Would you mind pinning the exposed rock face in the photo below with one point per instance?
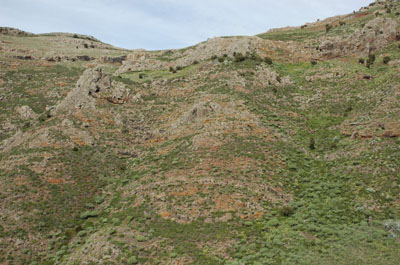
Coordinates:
(142, 60)
(139, 60)
(26, 113)
(266, 76)
(219, 47)
(94, 84)
(376, 34)
(197, 113)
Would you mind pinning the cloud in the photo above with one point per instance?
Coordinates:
(162, 24)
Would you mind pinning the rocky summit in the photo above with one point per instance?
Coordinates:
(280, 148)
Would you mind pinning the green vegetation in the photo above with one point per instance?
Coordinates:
(241, 159)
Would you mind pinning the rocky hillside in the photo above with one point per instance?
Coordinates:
(280, 148)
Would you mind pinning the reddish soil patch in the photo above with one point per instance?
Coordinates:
(56, 181)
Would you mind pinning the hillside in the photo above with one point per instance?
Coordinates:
(280, 148)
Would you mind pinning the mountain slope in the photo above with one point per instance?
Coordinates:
(280, 148)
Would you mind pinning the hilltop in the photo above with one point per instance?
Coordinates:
(279, 148)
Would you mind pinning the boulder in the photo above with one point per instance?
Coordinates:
(26, 113)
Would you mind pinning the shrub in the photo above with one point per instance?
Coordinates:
(312, 143)
(214, 57)
(286, 211)
(371, 59)
(44, 116)
(141, 76)
(386, 59)
(178, 68)
(313, 62)
(361, 61)
(328, 27)
(342, 23)
(132, 260)
(254, 56)
(196, 62)
(239, 57)
(171, 69)
(268, 60)
(86, 45)
(75, 36)
(27, 125)
(221, 59)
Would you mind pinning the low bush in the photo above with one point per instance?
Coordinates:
(371, 59)
(286, 211)
(239, 57)
(313, 62)
(328, 27)
(311, 145)
(268, 60)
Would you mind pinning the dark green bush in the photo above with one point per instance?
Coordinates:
(239, 57)
(268, 60)
(313, 62)
(386, 59)
(286, 211)
(361, 61)
(254, 56)
(371, 59)
(311, 145)
(328, 27)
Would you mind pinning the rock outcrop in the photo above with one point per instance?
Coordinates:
(26, 113)
(376, 34)
(141, 60)
(94, 84)
(197, 113)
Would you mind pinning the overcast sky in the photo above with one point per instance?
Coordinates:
(165, 24)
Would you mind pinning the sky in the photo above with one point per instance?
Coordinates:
(166, 24)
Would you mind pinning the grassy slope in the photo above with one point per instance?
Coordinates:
(342, 190)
